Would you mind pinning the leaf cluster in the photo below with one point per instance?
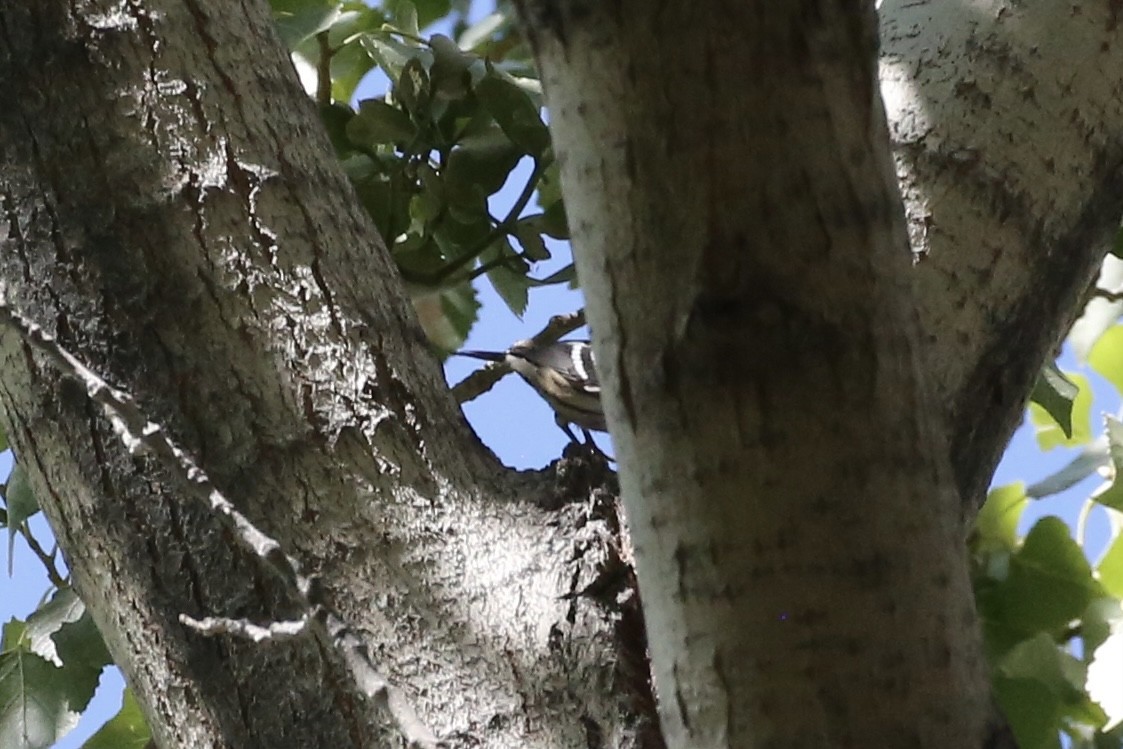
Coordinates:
(1052, 619)
(51, 663)
(458, 120)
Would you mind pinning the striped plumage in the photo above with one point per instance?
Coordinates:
(564, 374)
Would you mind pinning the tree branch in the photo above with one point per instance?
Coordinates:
(323, 70)
(48, 560)
(1013, 225)
(484, 378)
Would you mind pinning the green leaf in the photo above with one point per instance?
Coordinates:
(36, 697)
(376, 195)
(386, 197)
(1040, 659)
(457, 237)
(510, 284)
(1106, 356)
(1111, 495)
(996, 525)
(1110, 568)
(461, 309)
(335, 118)
(1049, 584)
(379, 123)
(298, 20)
(63, 608)
(80, 645)
(21, 505)
(419, 257)
(549, 187)
(1103, 617)
(514, 112)
(349, 66)
(125, 730)
(12, 636)
(393, 55)
(413, 87)
(1050, 432)
(427, 205)
(451, 70)
(1052, 681)
(1055, 393)
(534, 248)
(479, 167)
(554, 221)
(1112, 739)
(357, 18)
(551, 223)
(429, 11)
(1034, 713)
(1091, 459)
(499, 39)
(404, 15)
(18, 497)
(61, 631)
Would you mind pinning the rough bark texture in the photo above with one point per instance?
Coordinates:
(174, 215)
(784, 428)
(1007, 123)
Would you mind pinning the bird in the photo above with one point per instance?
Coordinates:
(564, 374)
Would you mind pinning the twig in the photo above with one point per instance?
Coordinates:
(323, 70)
(1082, 520)
(48, 560)
(484, 378)
(140, 434)
(1111, 296)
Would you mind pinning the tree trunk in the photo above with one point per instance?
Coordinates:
(791, 441)
(176, 218)
(793, 517)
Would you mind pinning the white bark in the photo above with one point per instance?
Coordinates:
(1007, 123)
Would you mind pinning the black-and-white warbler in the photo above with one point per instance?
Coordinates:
(564, 374)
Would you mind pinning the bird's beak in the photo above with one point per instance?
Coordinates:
(485, 355)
